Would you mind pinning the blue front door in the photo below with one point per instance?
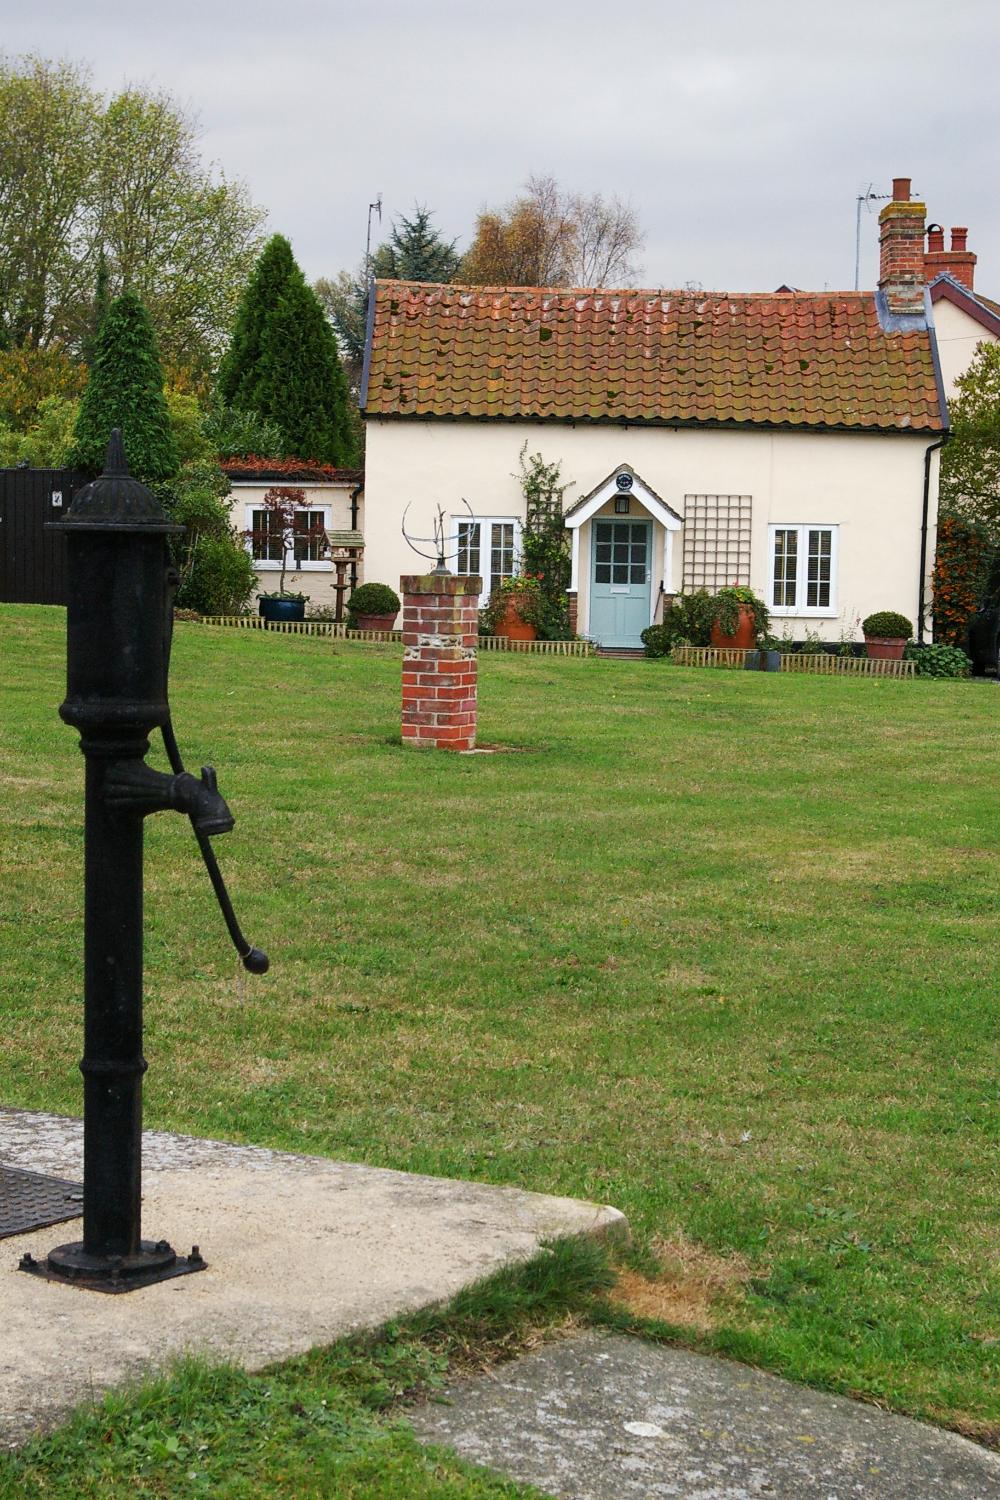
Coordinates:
(619, 582)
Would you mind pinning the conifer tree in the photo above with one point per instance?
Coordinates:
(101, 302)
(415, 251)
(299, 383)
(268, 282)
(283, 363)
(125, 390)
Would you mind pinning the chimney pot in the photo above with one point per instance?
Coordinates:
(959, 236)
(901, 189)
(935, 238)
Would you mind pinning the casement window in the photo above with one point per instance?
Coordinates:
(803, 570)
(307, 551)
(490, 546)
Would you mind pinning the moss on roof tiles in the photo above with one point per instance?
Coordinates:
(811, 359)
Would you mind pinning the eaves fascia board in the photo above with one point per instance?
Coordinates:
(369, 337)
(946, 288)
(673, 423)
(936, 357)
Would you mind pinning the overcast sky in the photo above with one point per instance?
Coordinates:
(742, 133)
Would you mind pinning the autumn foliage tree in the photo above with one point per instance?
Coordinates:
(963, 563)
(548, 237)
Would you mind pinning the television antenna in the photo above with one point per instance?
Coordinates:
(868, 197)
(376, 207)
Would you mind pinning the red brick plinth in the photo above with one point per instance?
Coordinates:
(440, 635)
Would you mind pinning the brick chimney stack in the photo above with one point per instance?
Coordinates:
(958, 261)
(901, 250)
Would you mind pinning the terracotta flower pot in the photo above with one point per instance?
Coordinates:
(374, 622)
(884, 647)
(513, 627)
(745, 635)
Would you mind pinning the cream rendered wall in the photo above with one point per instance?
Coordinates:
(315, 582)
(957, 337)
(870, 486)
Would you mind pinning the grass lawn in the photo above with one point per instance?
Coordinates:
(718, 948)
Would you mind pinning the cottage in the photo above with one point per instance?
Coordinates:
(786, 440)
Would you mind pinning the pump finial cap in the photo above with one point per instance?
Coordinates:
(115, 462)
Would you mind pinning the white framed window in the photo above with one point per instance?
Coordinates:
(306, 548)
(803, 564)
(490, 546)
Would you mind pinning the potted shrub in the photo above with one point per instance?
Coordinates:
(738, 617)
(372, 606)
(281, 506)
(886, 634)
(515, 608)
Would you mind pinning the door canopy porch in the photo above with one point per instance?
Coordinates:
(622, 481)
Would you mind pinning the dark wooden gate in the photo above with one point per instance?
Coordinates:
(33, 560)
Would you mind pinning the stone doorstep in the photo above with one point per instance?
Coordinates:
(300, 1251)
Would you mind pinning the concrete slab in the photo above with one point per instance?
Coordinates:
(598, 1418)
(301, 1251)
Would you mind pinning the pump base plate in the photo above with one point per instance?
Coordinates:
(72, 1266)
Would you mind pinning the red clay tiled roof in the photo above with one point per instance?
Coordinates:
(802, 359)
(304, 470)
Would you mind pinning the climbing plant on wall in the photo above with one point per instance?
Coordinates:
(545, 541)
(962, 566)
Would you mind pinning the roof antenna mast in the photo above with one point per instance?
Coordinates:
(376, 204)
(868, 197)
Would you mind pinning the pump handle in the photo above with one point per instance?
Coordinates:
(255, 960)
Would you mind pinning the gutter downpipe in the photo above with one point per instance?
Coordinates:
(922, 591)
(354, 526)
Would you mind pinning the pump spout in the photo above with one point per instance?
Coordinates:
(133, 786)
(203, 802)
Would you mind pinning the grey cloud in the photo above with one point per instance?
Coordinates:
(741, 132)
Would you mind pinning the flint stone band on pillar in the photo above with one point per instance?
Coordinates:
(440, 637)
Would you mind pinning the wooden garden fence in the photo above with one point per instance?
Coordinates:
(817, 662)
(341, 632)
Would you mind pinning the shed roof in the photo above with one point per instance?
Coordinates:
(791, 359)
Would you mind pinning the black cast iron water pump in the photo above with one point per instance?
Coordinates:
(119, 627)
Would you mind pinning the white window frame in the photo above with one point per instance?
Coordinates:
(271, 565)
(800, 610)
(485, 545)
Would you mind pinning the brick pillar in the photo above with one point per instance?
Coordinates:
(440, 634)
(571, 600)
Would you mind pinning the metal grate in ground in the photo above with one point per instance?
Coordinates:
(29, 1200)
